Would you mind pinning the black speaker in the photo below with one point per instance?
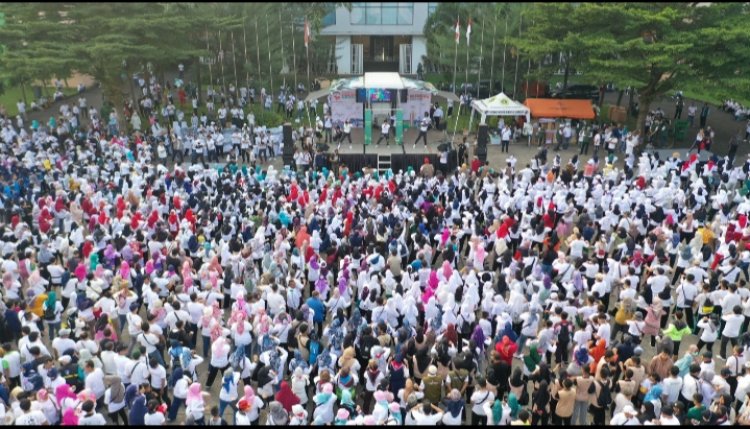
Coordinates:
(361, 95)
(483, 136)
(288, 154)
(481, 153)
(404, 95)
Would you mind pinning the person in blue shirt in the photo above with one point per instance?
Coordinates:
(319, 310)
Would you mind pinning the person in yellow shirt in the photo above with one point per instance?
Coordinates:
(707, 235)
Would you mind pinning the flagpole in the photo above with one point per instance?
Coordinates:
(294, 58)
(455, 57)
(234, 62)
(270, 70)
(481, 53)
(210, 60)
(221, 54)
(505, 48)
(468, 48)
(244, 40)
(518, 54)
(492, 60)
(308, 33)
(528, 72)
(283, 57)
(257, 51)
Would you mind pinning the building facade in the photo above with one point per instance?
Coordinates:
(378, 37)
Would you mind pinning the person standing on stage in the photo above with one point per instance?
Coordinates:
(423, 127)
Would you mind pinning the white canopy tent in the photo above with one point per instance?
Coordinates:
(498, 105)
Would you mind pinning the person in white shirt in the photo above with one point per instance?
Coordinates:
(426, 414)
(90, 417)
(424, 125)
(627, 417)
(733, 323)
(153, 417)
(385, 132)
(29, 417)
(62, 343)
(95, 380)
(480, 396)
(137, 369)
(228, 392)
(114, 398)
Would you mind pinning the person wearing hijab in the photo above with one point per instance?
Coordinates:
(195, 404)
(506, 348)
(69, 417)
(324, 404)
(286, 397)
(454, 405)
(114, 397)
(540, 404)
(138, 409)
(647, 413)
(228, 392)
(52, 310)
(277, 415)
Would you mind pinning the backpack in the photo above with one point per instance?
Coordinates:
(605, 397)
(563, 337)
(49, 312)
(33, 381)
(314, 348)
(457, 378)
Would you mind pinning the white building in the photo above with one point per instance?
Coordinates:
(378, 37)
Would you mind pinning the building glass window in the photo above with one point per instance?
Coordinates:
(382, 13)
(358, 14)
(431, 8)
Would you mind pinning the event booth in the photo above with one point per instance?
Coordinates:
(547, 111)
(498, 105)
(560, 108)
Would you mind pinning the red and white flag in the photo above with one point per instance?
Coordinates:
(307, 33)
(468, 32)
(458, 31)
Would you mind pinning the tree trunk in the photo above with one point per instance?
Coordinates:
(645, 102)
(23, 93)
(619, 97)
(198, 78)
(567, 73)
(630, 101)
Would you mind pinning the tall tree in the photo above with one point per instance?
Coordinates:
(652, 47)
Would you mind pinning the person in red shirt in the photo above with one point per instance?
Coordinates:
(476, 164)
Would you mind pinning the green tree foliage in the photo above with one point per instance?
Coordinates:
(439, 31)
(111, 41)
(652, 47)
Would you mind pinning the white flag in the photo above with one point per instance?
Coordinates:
(468, 32)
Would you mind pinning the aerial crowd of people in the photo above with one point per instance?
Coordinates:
(142, 286)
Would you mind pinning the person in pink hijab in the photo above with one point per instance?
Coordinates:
(63, 392)
(187, 275)
(69, 417)
(80, 271)
(125, 270)
(447, 270)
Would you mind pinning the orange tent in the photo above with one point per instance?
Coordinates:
(558, 108)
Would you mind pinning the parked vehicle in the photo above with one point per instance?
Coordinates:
(581, 92)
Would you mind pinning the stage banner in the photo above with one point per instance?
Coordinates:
(368, 127)
(418, 102)
(344, 106)
(399, 127)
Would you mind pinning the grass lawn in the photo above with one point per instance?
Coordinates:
(11, 96)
